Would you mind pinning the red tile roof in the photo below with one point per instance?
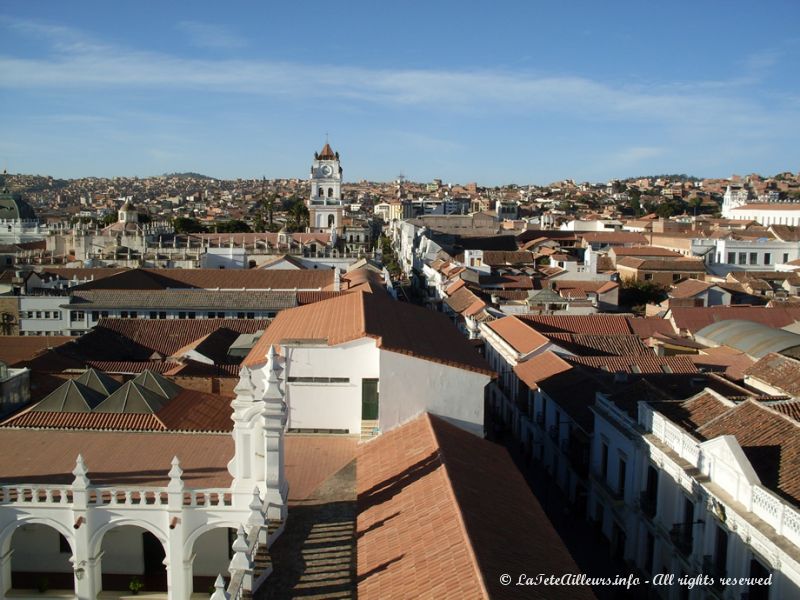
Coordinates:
(167, 336)
(189, 410)
(689, 288)
(86, 421)
(517, 334)
(17, 348)
(396, 327)
(770, 440)
(311, 460)
(778, 371)
(540, 367)
(637, 363)
(442, 513)
(596, 324)
(114, 457)
(646, 327)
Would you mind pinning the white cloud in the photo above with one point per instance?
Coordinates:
(709, 107)
(210, 35)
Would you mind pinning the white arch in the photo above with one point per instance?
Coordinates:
(8, 532)
(188, 545)
(96, 541)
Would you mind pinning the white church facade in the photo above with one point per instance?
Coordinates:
(78, 528)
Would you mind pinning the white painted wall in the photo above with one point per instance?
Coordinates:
(329, 405)
(123, 551)
(36, 549)
(411, 385)
(211, 553)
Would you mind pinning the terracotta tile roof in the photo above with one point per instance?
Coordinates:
(695, 318)
(684, 265)
(310, 460)
(646, 327)
(500, 257)
(647, 251)
(396, 326)
(17, 348)
(535, 370)
(506, 282)
(723, 358)
(192, 410)
(770, 440)
(694, 412)
(636, 364)
(778, 371)
(235, 279)
(442, 513)
(575, 287)
(131, 366)
(602, 345)
(327, 153)
(594, 324)
(213, 346)
(790, 408)
(114, 457)
(454, 287)
(166, 336)
(517, 334)
(612, 238)
(689, 288)
(86, 421)
(462, 300)
(311, 297)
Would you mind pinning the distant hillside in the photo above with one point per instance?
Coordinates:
(188, 176)
(668, 177)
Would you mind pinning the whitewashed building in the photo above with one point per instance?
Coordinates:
(702, 487)
(98, 506)
(363, 361)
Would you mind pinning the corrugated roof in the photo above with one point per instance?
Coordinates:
(695, 318)
(755, 339)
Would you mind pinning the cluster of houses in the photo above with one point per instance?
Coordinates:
(186, 419)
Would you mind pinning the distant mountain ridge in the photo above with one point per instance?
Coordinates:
(188, 175)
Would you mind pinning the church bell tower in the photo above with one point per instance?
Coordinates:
(325, 207)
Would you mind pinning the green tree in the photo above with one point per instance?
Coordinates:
(232, 226)
(187, 225)
(638, 293)
(297, 216)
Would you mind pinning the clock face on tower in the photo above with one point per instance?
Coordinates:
(327, 171)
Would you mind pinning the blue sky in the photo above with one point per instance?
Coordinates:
(500, 92)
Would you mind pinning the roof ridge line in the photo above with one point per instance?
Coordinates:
(459, 515)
